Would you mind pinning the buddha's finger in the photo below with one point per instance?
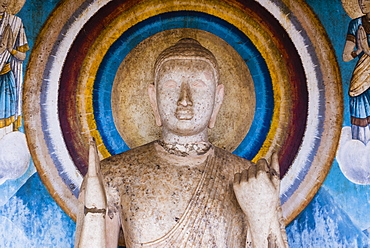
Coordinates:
(237, 178)
(275, 170)
(252, 171)
(262, 166)
(93, 169)
(245, 175)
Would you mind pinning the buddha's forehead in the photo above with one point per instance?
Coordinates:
(187, 68)
(185, 50)
(186, 65)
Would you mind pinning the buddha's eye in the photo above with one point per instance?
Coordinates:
(198, 84)
(170, 84)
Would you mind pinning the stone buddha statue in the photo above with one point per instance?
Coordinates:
(181, 191)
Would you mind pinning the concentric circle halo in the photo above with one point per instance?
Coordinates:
(72, 73)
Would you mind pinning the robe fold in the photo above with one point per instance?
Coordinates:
(212, 217)
(11, 73)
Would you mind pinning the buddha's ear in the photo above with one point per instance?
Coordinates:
(152, 92)
(218, 102)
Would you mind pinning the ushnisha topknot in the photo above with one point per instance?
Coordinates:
(187, 48)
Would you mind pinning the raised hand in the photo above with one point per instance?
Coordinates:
(91, 226)
(258, 185)
(94, 192)
(257, 191)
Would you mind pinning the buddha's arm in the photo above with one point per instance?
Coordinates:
(91, 227)
(257, 192)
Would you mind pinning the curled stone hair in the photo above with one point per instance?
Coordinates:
(187, 48)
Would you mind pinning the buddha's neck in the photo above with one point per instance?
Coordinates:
(183, 156)
(182, 145)
(189, 149)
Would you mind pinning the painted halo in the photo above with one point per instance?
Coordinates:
(71, 73)
(352, 8)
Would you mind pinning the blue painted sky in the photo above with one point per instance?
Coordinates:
(353, 198)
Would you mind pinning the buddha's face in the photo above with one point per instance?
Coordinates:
(186, 92)
(364, 5)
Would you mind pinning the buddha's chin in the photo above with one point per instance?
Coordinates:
(187, 128)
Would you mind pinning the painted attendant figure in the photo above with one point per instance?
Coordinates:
(181, 191)
(13, 48)
(357, 45)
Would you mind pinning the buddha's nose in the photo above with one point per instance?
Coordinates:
(185, 98)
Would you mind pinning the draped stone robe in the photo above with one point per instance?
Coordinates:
(165, 200)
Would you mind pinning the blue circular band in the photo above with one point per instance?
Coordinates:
(103, 84)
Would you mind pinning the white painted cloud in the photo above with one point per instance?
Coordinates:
(14, 156)
(353, 158)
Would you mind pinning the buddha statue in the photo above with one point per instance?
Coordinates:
(181, 191)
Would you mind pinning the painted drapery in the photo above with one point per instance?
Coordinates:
(11, 71)
(360, 86)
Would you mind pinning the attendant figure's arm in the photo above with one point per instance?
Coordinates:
(91, 227)
(7, 43)
(6, 39)
(350, 52)
(257, 191)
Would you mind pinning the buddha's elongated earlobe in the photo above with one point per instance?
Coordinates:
(218, 102)
(153, 102)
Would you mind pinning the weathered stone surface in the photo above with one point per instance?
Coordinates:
(181, 191)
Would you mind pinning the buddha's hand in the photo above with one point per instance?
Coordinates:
(95, 199)
(257, 191)
(91, 227)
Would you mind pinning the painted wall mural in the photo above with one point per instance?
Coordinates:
(78, 84)
(353, 151)
(14, 156)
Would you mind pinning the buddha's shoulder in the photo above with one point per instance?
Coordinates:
(122, 162)
(231, 158)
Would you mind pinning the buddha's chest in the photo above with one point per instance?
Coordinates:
(154, 200)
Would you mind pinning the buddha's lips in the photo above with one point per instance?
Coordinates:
(183, 113)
